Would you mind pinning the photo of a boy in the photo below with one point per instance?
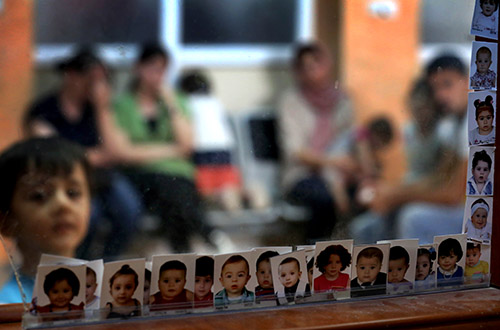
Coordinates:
(91, 299)
(370, 280)
(61, 286)
(449, 273)
(234, 276)
(172, 293)
(479, 183)
(203, 282)
(399, 262)
(289, 274)
(484, 116)
(35, 175)
(265, 290)
(477, 226)
(331, 262)
(484, 77)
(476, 270)
(485, 20)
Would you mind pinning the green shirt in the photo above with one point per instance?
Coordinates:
(129, 118)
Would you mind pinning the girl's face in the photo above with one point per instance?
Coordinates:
(151, 73)
(264, 275)
(423, 267)
(483, 62)
(479, 218)
(488, 7)
(52, 213)
(473, 256)
(202, 285)
(447, 263)
(123, 289)
(397, 270)
(481, 172)
(332, 269)
(485, 122)
(61, 294)
(315, 69)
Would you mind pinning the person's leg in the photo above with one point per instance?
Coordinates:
(369, 227)
(314, 194)
(123, 208)
(425, 220)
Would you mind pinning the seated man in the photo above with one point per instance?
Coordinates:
(433, 204)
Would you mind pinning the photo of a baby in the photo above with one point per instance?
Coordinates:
(476, 268)
(289, 276)
(481, 118)
(481, 167)
(483, 66)
(485, 19)
(120, 296)
(478, 219)
(370, 273)
(234, 274)
(450, 270)
(172, 282)
(203, 282)
(425, 274)
(265, 290)
(333, 263)
(63, 292)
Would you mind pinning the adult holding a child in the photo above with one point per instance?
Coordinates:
(312, 116)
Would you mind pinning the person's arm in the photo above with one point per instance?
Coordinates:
(116, 143)
(445, 186)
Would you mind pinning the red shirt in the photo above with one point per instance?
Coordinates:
(321, 284)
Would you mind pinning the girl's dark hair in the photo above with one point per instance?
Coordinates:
(194, 82)
(480, 200)
(486, 105)
(324, 257)
(430, 253)
(59, 275)
(265, 257)
(449, 246)
(125, 270)
(494, 1)
(150, 51)
(48, 156)
(481, 156)
(399, 252)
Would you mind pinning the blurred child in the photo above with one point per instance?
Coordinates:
(484, 78)
(424, 275)
(476, 271)
(217, 177)
(147, 287)
(486, 21)
(477, 227)
(233, 277)
(171, 282)
(484, 133)
(449, 253)
(480, 183)
(265, 290)
(399, 262)
(289, 275)
(44, 204)
(91, 300)
(331, 262)
(122, 286)
(61, 286)
(370, 280)
(203, 281)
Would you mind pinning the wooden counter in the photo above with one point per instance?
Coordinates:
(458, 310)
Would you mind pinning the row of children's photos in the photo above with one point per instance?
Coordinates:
(331, 270)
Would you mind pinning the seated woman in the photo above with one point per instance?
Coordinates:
(157, 126)
(313, 116)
